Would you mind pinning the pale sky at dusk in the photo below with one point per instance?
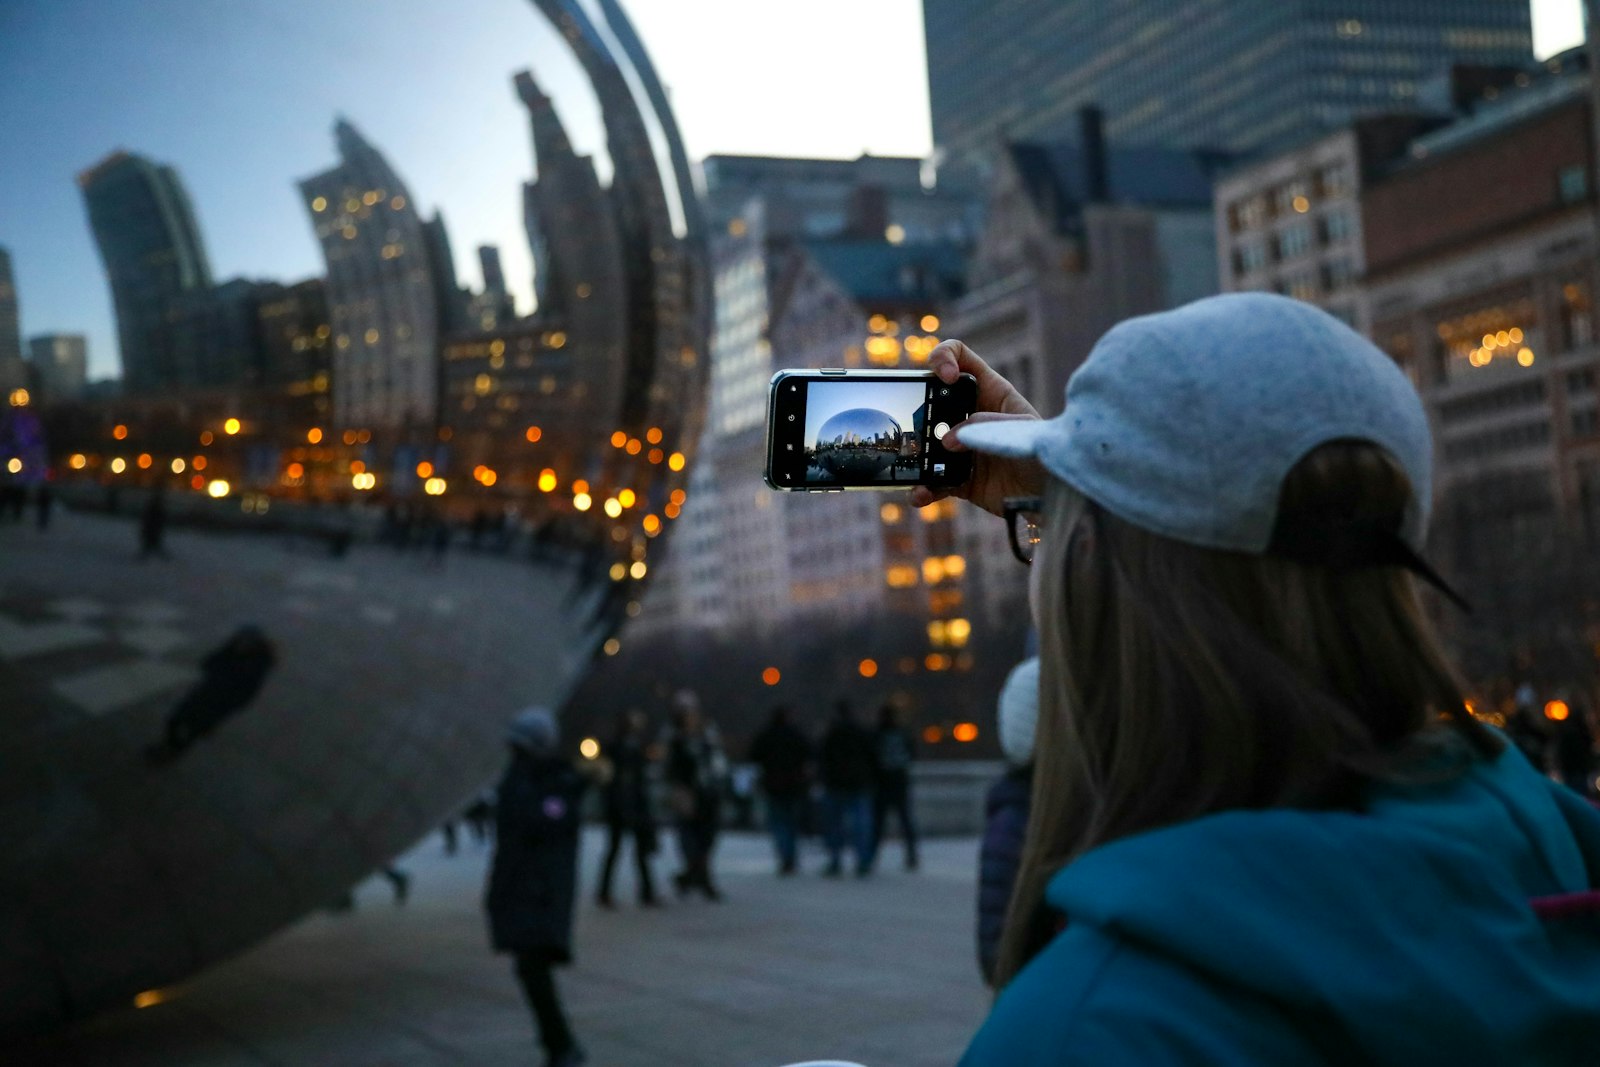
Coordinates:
(241, 96)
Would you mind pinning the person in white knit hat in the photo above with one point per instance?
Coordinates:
(1006, 810)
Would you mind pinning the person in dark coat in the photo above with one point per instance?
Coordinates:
(628, 811)
(1006, 811)
(153, 525)
(533, 879)
(893, 750)
(784, 756)
(230, 677)
(847, 778)
(696, 774)
(1572, 748)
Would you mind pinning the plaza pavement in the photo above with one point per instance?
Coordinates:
(879, 970)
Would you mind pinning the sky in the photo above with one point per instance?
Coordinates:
(241, 96)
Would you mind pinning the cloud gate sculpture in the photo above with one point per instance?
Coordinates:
(131, 860)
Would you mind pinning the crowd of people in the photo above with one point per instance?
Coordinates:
(1250, 818)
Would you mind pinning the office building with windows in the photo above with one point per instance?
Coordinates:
(60, 364)
(1228, 74)
(154, 258)
(384, 288)
(13, 373)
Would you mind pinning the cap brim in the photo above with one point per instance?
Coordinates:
(1012, 438)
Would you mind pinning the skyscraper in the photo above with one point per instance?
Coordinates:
(150, 243)
(1229, 74)
(383, 292)
(61, 362)
(13, 374)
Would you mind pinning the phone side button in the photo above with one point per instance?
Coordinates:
(833, 370)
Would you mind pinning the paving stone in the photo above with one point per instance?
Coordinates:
(105, 689)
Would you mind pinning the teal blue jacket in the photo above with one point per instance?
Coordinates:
(1446, 924)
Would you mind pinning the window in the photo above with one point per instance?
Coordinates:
(1585, 423)
(1573, 183)
(1336, 226)
(1250, 257)
(1303, 285)
(1294, 240)
(1337, 274)
(1577, 315)
(1334, 180)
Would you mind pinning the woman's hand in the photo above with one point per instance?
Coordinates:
(993, 477)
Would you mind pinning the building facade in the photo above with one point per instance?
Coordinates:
(60, 363)
(384, 288)
(13, 373)
(149, 241)
(1227, 74)
(1075, 241)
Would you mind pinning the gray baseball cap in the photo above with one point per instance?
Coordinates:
(1185, 423)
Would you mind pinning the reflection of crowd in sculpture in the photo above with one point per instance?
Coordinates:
(844, 451)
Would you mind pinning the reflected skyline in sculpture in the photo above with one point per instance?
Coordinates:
(366, 399)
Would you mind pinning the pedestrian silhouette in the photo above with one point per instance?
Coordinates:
(153, 526)
(230, 677)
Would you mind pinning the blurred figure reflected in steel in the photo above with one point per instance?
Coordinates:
(230, 677)
(697, 771)
(44, 499)
(534, 877)
(628, 811)
(153, 525)
(894, 748)
(784, 756)
(847, 781)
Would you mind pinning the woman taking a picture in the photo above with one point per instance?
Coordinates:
(1264, 828)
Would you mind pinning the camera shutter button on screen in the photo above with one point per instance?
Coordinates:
(939, 430)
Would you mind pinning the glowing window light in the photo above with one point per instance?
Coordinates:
(145, 461)
(675, 461)
(489, 478)
(589, 748)
(218, 488)
(619, 571)
(435, 486)
(933, 570)
(612, 646)
(580, 486)
(582, 501)
(672, 511)
(654, 435)
(533, 434)
(652, 525)
(627, 498)
(656, 456)
(424, 470)
(118, 465)
(547, 480)
(678, 497)
(80, 461)
(955, 566)
(868, 668)
(314, 436)
(930, 323)
(965, 732)
(638, 570)
(1525, 357)
(231, 427)
(890, 514)
(120, 432)
(198, 463)
(206, 438)
(198, 482)
(635, 446)
(771, 676)
(14, 465)
(1557, 711)
(619, 439)
(296, 470)
(613, 506)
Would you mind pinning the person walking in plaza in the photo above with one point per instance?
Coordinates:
(696, 772)
(1265, 828)
(153, 525)
(628, 813)
(44, 500)
(847, 781)
(533, 877)
(783, 755)
(894, 748)
(1006, 810)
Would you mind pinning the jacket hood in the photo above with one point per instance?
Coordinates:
(1407, 933)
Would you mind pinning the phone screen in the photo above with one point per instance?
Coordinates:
(864, 432)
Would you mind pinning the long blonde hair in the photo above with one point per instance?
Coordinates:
(1177, 681)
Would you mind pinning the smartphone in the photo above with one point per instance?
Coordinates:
(829, 429)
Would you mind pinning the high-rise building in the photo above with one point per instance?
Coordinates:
(296, 346)
(384, 290)
(1228, 74)
(60, 365)
(493, 307)
(150, 243)
(13, 373)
